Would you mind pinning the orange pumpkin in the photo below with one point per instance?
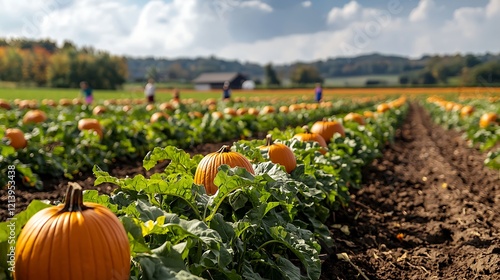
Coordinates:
(283, 109)
(90, 124)
(98, 110)
(280, 154)
(241, 111)
(208, 167)
(267, 110)
(65, 102)
(5, 104)
(73, 241)
(381, 108)
(230, 111)
(156, 117)
(308, 136)
(16, 137)
(354, 117)
(466, 111)
(34, 116)
(487, 119)
(327, 129)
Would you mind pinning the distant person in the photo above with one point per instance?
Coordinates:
(318, 93)
(86, 91)
(149, 91)
(226, 91)
(176, 95)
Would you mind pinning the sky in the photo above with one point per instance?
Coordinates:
(261, 31)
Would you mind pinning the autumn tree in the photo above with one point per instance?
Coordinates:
(304, 74)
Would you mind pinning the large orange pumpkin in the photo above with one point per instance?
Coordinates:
(208, 167)
(487, 119)
(34, 116)
(16, 137)
(327, 129)
(309, 136)
(73, 241)
(280, 154)
(90, 124)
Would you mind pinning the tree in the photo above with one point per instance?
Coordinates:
(486, 73)
(271, 77)
(152, 73)
(304, 74)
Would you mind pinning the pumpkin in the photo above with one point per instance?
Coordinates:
(241, 111)
(381, 108)
(16, 137)
(327, 129)
(150, 107)
(217, 115)
(354, 117)
(65, 102)
(230, 111)
(165, 106)
(98, 110)
(90, 124)
(487, 119)
(73, 241)
(208, 167)
(34, 116)
(156, 117)
(49, 102)
(253, 111)
(267, 110)
(5, 104)
(466, 111)
(280, 154)
(283, 109)
(308, 136)
(126, 108)
(369, 114)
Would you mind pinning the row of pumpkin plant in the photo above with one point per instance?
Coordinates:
(70, 139)
(233, 214)
(477, 118)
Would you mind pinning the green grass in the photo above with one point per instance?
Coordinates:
(360, 81)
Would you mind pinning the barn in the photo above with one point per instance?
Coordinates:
(215, 80)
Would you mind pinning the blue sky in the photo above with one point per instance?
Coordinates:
(278, 31)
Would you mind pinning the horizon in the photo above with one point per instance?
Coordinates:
(260, 31)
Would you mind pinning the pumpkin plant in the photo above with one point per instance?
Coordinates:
(279, 153)
(310, 136)
(208, 167)
(73, 241)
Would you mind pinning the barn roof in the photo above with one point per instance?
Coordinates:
(216, 77)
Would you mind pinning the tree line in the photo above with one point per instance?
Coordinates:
(469, 70)
(43, 63)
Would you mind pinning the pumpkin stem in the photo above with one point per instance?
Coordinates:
(269, 140)
(74, 199)
(306, 128)
(224, 149)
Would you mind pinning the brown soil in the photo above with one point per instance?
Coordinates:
(435, 192)
(429, 187)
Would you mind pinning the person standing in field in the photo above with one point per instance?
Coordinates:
(86, 91)
(176, 95)
(318, 93)
(149, 91)
(226, 91)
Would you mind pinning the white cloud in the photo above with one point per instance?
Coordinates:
(192, 28)
(257, 5)
(306, 4)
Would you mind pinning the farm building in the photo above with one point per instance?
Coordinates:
(216, 80)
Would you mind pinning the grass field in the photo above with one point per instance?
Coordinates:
(166, 94)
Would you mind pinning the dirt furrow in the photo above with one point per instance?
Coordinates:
(428, 210)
